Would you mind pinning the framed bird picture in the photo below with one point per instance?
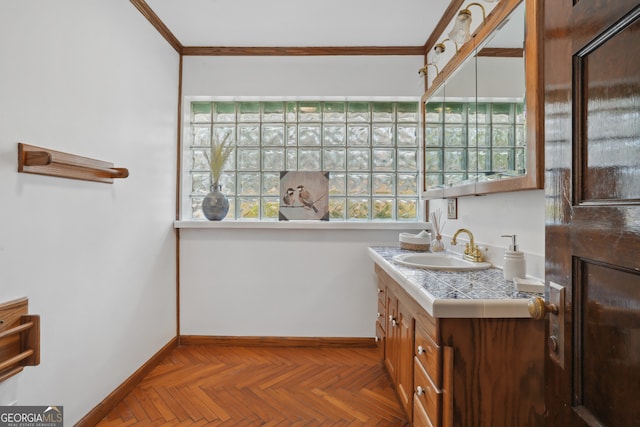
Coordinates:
(304, 196)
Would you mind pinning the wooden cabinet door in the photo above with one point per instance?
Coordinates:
(391, 344)
(381, 321)
(592, 162)
(405, 358)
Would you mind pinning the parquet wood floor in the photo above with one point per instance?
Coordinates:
(211, 385)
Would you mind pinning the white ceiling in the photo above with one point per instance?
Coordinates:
(300, 23)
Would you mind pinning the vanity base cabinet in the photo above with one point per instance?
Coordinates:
(460, 372)
(497, 371)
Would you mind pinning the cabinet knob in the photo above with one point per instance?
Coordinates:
(419, 391)
(420, 350)
(538, 308)
(393, 322)
(378, 315)
(379, 290)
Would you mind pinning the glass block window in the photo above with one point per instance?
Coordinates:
(468, 142)
(370, 149)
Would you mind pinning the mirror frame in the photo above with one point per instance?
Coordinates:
(534, 176)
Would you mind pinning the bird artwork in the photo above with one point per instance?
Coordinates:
(306, 199)
(289, 197)
(304, 195)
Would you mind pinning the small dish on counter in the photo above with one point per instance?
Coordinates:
(415, 242)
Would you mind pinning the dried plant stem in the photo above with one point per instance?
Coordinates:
(436, 220)
(218, 156)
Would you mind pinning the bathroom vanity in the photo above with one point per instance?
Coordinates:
(459, 346)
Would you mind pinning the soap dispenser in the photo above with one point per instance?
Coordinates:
(514, 262)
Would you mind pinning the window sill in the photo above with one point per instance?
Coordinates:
(303, 225)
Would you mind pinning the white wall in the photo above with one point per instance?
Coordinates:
(97, 261)
(308, 283)
(489, 217)
(296, 283)
(302, 76)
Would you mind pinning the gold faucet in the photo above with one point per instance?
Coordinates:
(471, 250)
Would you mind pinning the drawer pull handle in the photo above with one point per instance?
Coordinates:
(424, 350)
(419, 391)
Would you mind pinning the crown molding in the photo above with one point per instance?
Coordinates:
(164, 31)
(502, 52)
(300, 51)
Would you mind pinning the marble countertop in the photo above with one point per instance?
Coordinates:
(477, 293)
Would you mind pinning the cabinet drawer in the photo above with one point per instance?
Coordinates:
(429, 325)
(427, 393)
(420, 417)
(429, 355)
(381, 315)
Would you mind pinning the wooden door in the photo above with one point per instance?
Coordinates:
(592, 162)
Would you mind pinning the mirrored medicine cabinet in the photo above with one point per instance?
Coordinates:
(482, 127)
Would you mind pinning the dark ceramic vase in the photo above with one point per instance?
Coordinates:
(215, 204)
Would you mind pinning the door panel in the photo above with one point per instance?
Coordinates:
(609, 90)
(607, 371)
(592, 163)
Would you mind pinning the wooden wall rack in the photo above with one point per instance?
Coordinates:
(19, 338)
(43, 161)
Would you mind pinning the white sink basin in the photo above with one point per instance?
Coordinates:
(433, 261)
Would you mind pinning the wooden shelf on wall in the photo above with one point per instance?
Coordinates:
(19, 338)
(43, 161)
